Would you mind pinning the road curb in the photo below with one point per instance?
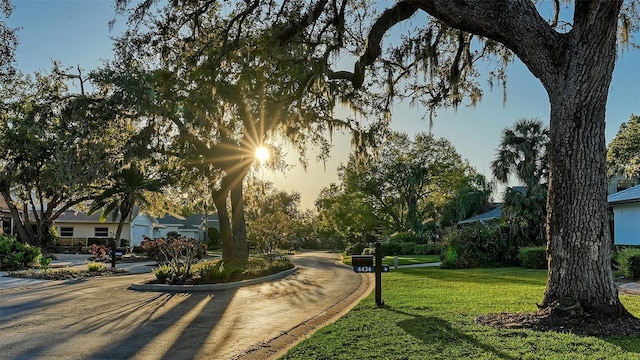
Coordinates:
(141, 286)
(630, 288)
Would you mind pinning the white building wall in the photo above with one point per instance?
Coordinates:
(88, 230)
(141, 226)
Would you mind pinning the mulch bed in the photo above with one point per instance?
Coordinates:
(582, 324)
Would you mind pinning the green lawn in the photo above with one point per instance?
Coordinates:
(403, 259)
(429, 314)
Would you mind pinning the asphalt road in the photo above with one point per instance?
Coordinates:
(103, 319)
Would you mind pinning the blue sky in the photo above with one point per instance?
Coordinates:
(77, 33)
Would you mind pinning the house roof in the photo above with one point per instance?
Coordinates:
(196, 220)
(495, 213)
(629, 195)
(168, 219)
(71, 216)
(3, 204)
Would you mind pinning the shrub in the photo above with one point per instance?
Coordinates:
(478, 245)
(214, 241)
(162, 272)
(99, 251)
(404, 236)
(533, 257)
(15, 255)
(629, 260)
(44, 263)
(391, 248)
(225, 271)
(173, 235)
(96, 267)
(408, 248)
(221, 271)
(429, 249)
(177, 253)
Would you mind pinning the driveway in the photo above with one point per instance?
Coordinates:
(103, 319)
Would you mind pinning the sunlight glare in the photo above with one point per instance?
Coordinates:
(262, 154)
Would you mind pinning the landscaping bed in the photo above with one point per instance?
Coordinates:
(217, 271)
(64, 274)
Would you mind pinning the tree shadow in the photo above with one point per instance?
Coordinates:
(628, 343)
(428, 329)
(158, 326)
(181, 332)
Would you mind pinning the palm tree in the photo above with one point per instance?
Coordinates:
(128, 187)
(523, 153)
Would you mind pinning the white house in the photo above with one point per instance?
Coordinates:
(77, 228)
(191, 227)
(626, 216)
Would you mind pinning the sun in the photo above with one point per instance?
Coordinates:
(262, 154)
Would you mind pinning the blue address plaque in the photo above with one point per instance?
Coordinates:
(369, 269)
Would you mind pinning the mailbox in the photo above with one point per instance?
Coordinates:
(362, 260)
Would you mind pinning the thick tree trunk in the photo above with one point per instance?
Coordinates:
(578, 237)
(412, 210)
(220, 201)
(240, 244)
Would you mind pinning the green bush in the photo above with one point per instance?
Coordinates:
(162, 272)
(533, 257)
(96, 267)
(15, 255)
(214, 241)
(629, 260)
(478, 245)
(405, 236)
(226, 271)
(217, 271)
(392, 248)
(44, 262)
(429, 249)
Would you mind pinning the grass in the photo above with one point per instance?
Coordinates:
(429, 314)
(403, 259)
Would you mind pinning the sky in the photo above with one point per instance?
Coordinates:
(76, 32)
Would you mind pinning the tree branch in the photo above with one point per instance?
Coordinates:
(514, 23)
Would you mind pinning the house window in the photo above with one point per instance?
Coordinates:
(66, 231)
(101, 232)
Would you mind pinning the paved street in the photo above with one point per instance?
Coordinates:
(103, 319)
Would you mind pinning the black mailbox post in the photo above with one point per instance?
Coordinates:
(362, 260)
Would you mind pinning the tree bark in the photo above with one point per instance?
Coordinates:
(220, 201)
(20, 228)
(240, 244)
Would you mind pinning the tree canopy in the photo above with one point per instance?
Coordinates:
(8, 43)
(623, 153)
(58, 145)
(523, 153)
